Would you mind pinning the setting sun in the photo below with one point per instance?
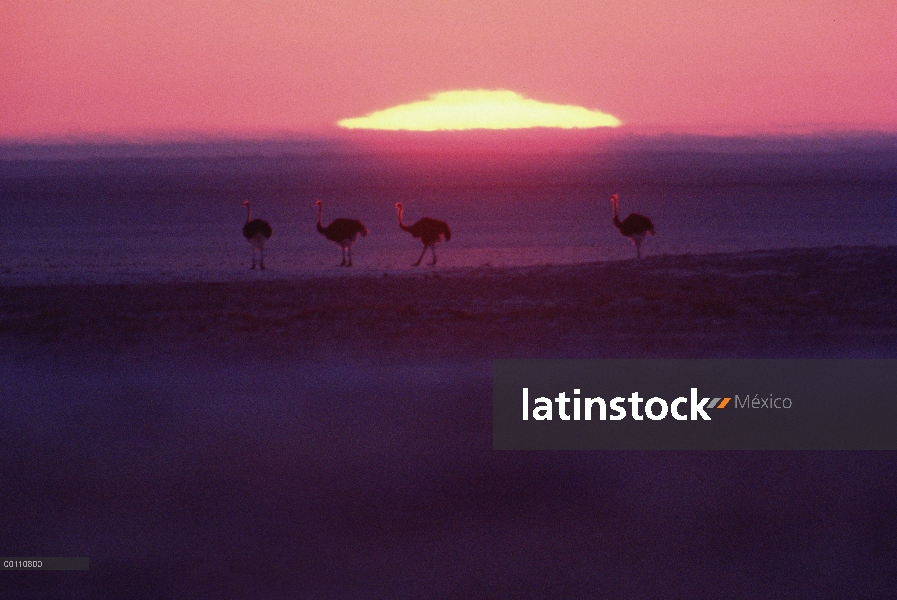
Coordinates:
(480, 109)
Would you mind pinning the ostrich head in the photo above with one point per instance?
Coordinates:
(246, 203)
(399, 206)
(318, 203)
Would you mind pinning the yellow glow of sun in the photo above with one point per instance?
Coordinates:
(480, 109)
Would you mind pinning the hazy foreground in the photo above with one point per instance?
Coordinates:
(801, 303)
(331, 437)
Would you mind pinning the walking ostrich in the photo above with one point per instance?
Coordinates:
(342, 231)
(256, 232)
(429, 231)
(635, 227)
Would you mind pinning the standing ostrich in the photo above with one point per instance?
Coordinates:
(342, 231)
(256, 232)
(429, 231)
(635, 227)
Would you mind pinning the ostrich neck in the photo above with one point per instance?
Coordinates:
(320, 216)
(401, 222)
(248, 214)
(617, 222)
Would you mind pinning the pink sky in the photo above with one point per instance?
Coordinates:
(254, 67)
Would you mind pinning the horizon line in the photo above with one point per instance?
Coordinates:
(337, 134)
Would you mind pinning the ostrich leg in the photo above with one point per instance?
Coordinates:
(420, 258)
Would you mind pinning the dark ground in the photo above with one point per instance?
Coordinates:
(806, 303)
(331, 438)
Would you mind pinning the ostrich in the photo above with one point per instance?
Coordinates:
(342, 231)
(429, 231)
(256, 232)
(635, 227)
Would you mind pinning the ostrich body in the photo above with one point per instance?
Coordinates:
(635, 227)
(429, 231)
(343, 232)
(256, 232)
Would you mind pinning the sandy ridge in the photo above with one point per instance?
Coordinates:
(835, 301)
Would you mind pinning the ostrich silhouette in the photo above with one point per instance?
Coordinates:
(635, 226)
(429, 231)
(256, 232)
(343, 232)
